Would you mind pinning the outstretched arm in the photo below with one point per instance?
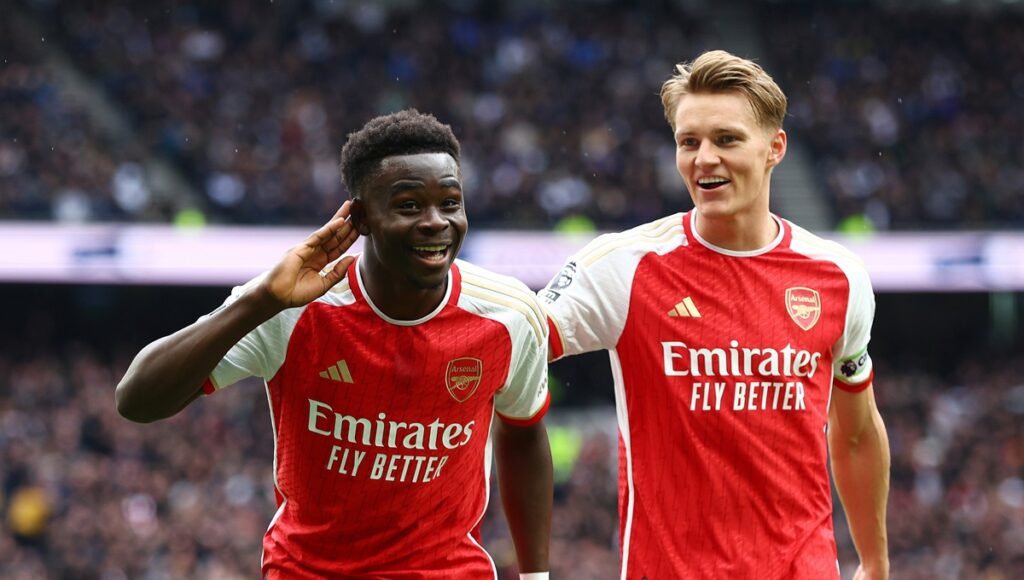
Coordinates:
(168, 374)
(860, 465)
(525, 479)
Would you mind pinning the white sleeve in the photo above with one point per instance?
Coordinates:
(259, 353)
(587, 302)
(524, 397)
(851, 364)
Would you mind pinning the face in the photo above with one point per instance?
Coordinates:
(724, 155)
(412, 210)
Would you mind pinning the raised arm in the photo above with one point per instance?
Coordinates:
(525, 479)
(168, 374)
(860, 465)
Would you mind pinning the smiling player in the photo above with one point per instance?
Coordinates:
(736, 338)
(383, 373)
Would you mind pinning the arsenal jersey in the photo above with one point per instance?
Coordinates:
(724, 364)
(381, 426)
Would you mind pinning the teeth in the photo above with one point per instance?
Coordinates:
(438, 248)
(711, 180)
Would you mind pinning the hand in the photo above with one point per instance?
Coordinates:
(297, 279)
(879, 573)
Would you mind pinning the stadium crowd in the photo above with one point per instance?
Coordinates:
(252, 100)
(55, 164)
(910, 116)
(913, 116)
(87, 494)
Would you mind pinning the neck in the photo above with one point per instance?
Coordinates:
(397, 297)
(738, 232)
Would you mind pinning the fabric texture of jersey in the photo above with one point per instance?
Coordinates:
(381, 426)
(723, 365)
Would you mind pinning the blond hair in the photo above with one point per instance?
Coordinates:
(718, 71)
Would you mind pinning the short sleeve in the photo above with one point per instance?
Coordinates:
(588, 300)
(524, 399)
(851, 364)
(259, 353)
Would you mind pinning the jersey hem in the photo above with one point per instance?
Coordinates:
(530, 420)
(856, 387)
(208, 387)
(555, 339)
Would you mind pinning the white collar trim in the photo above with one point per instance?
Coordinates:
(737, 253)
(395, 321)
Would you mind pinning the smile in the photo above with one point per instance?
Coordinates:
(433, 253)
(709, 183)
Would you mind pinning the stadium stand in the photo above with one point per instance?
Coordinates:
(909, 113)
(913, 114)
(54, 162)
(252, 100)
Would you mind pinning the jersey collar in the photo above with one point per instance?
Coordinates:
(451, 295)
(781, 240)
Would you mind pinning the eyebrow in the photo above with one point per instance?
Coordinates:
(407, 184)
(715, 131)
(450, 181)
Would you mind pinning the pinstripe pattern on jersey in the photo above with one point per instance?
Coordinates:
(658, 232)
(505, 292)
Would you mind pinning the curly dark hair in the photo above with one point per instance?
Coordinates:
(406, 132)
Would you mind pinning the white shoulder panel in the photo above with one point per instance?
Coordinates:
(851, 363)
(262, 352)
(510, 302)
(589, 299)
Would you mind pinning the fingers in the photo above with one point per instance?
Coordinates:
(342, 211)
(334, 233)
(339, 245)
(338, 272)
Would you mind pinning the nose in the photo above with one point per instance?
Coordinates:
(706, 154)
(433, 220)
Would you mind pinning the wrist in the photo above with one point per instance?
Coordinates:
(534, 576)
(261, 302)
(876, 569)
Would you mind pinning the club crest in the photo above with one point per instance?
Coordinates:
(804, 306)
(463, 377)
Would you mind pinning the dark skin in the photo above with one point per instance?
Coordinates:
(411, 211)
(410, 203)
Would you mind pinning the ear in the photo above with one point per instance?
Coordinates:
(777, 148)
(357, 215)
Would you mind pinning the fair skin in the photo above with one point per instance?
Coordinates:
(717, 136)
(859, 447)
(726, 158)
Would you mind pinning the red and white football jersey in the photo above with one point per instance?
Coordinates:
(723, 364)
(381, 426)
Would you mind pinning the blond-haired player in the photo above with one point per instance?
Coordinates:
(738, 344)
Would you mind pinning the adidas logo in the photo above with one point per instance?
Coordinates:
(337, 372)
(685, 309)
